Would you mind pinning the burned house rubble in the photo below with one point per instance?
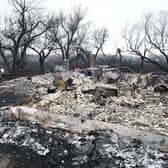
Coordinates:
(85, 118)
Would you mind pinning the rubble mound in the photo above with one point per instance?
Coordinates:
(28, 143)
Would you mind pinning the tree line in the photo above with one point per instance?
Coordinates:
(28, 29)
(148, 39)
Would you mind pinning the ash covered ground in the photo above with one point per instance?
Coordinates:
(141, 100)
(139, 103)
(24, 144)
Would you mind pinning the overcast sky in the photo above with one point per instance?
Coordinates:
(113, 14)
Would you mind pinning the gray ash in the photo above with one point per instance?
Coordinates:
(28, 145)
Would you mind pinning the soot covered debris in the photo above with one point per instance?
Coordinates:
(57, 148)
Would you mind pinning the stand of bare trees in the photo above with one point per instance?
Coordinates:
(65, 31)
(27, 30)
(73, 36)
(148, 39)
(18, 33)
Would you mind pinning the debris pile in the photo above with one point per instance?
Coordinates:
(131, 100)
(99, 148)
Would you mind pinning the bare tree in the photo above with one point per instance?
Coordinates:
(65, 30)
(44, 46)
(19, 32)
(136, 42)
(156, 28)
(82, 43)
(100, 36)
(118, 52)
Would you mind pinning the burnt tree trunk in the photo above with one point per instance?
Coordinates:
(120, 56)
(7, 65)
(142, 64)
(42, 67)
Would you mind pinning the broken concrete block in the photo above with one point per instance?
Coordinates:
(42, 90)
(112, 76)
(59, 68)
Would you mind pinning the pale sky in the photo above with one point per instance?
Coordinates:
(113, 14)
